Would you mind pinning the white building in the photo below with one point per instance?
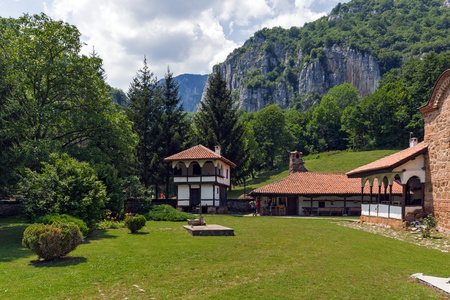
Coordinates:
(202, 176)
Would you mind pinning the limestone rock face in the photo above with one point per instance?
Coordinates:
(446, 4)
(340, 65)
(263, 75)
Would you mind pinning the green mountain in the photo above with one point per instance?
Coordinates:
(357, 43)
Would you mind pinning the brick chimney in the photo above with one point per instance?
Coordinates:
(217, 149)
(296, 163)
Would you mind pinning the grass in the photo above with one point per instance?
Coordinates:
(269, 258)
(326, 162)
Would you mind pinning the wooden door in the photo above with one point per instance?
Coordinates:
(195, 197)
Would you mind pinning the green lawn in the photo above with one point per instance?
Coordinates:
(326, 162)
(269, 258)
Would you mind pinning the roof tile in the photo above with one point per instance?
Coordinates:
(308, 183)
(391, 161)
(198, 152)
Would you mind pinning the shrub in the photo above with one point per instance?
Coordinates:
(135, 223)
(428, 224)
(52, 241)
(166, 212)
(110, 224)
(65, 186)
(57, 218)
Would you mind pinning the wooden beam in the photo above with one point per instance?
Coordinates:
(403, 201)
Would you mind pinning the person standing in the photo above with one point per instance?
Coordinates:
(257, 207)
(253, 206)
(270, 207)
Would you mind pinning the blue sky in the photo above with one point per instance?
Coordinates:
(188, 36)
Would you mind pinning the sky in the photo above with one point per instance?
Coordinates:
(187, 36)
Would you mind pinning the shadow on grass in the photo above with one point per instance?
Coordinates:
(98, 234)
(11, 243)
(61, 262)
(139, 233)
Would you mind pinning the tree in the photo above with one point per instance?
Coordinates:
(144, 109)
(269, 128)
(59, 99)
(174, 124)
(217, 123)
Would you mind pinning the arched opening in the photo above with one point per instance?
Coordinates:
(196, 169)
(385, 194)
(179, 170)
(414, 192)
(208, 168)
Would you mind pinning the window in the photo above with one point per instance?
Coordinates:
(321, 203)
(227, 173)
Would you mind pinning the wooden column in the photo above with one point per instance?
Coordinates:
(378, 200)
(390, 200)
(403, 201)
(345, 205)
(362, 195)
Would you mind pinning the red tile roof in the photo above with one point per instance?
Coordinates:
(198, 152)
(308, 183)
(388, 163)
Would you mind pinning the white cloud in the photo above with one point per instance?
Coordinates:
(188, 36)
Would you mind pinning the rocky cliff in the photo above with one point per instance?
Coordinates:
(248, 76)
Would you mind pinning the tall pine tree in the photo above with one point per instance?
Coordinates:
(217, 123)
(144, 108)
(174, 124)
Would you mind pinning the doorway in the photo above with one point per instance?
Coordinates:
(292, 206)
(194, 199)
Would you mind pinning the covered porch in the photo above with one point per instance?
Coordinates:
(383, 206)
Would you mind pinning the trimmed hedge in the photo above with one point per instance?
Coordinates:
(57, 218)
(165, 212)
(52, 241)
(135, 223)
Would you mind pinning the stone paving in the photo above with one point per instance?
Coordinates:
(441, 284)
(209, 230)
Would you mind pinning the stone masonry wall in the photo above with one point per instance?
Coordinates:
(386, 222)
(437, 161)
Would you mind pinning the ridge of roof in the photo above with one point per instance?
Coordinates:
(198, 152)
(389, 162)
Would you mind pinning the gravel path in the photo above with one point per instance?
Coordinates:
(438, 241)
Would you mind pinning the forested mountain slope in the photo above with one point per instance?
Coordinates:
(357, 43)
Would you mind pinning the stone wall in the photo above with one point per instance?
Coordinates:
(10, 208)
(389, 223)
(437, 161)
(238, 205)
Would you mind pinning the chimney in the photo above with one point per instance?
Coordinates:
(296, 163)
(412, 142)
(217, 150)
